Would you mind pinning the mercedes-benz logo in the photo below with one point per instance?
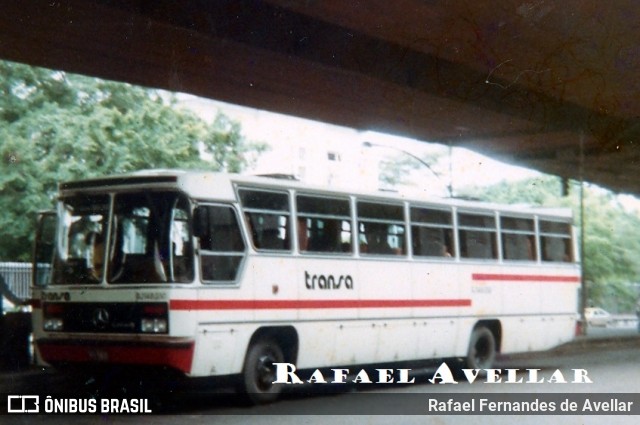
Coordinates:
(100, 318)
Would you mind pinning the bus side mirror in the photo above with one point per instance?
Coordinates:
(200, 221)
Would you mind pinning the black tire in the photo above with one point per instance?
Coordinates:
(482, 349)
(259, 372)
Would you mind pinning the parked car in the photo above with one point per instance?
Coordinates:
(597, 317)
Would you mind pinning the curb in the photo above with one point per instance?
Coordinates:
(583, 342)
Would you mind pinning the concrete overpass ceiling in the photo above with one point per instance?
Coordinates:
(518, 80)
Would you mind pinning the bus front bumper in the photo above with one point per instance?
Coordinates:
(176, 354)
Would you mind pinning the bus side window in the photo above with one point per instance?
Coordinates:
(518, 238)
(268, 219)
(381, 228)
(377, 239)
(477, 234)
(431, 242)
(555, 241)
(268, 231)
(432, 232)
(221, 245)
(324, 224)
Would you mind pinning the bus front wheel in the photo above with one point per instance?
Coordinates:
(259, 371)
(482, 349)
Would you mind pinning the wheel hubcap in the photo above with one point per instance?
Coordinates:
(482, 351)
(266, 371)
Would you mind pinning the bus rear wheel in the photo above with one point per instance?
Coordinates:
(259, 372)
(482, 349)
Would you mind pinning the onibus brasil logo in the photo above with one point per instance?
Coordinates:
(33, 404)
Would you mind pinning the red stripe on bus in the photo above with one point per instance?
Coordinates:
(311, 304)
(524, 278)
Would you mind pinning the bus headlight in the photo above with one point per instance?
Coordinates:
(154, 318)
(155, 325)
(53, 324)
(53, 314)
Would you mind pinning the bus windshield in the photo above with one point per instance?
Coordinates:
(149, 239)
(83, 227)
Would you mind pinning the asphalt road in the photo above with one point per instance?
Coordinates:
(610, 361)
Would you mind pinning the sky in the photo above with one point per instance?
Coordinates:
(287, 136)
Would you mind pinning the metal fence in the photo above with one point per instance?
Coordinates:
(15, 281)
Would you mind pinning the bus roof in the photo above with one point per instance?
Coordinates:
(221, 187)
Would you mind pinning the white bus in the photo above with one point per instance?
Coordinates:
(218, 274)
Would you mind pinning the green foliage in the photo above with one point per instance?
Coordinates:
(56, 126)
(611, 233)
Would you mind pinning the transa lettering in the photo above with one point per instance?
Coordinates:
(320, 281)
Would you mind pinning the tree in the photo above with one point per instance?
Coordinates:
(56, 126)
(395, 170)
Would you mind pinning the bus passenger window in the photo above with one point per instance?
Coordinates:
(221, 246)
(303, 234)
(381, 228)
(477, 234)
(518, 239)
(268, 231)
(431, 242)
(518, 247)
(324, 225)
(555, 241)
(432, 232)
(267, 218)
(378, 239)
